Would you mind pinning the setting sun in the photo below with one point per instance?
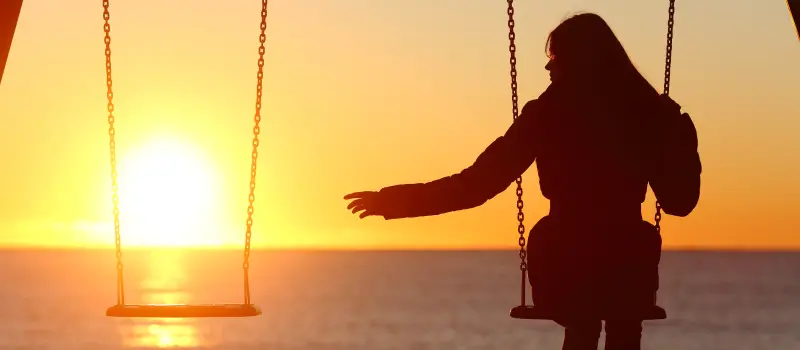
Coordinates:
(184, 87)
(168, 196)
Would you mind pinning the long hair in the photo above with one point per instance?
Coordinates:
(599, 70)
(589, 51)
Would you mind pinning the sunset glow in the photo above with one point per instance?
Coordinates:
(163, 283)
(168, 196)
(358, 96)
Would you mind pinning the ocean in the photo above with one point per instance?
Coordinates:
(374, 300)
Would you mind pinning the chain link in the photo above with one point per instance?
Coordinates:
(512, 49)
(668, 63)
(113, 150)
(667, 72)
(256, 131)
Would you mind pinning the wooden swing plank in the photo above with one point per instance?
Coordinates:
(184, 310)
(531, 312)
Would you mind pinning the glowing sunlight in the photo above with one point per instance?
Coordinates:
(168, 196)
(163, 284)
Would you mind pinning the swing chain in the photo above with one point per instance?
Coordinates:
(668, 63)
(256, 131)
(512, 49)
(667, 72)
(113, 148)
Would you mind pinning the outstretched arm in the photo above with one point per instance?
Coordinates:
(499, 165)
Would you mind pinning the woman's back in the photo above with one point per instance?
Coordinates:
(595, 145)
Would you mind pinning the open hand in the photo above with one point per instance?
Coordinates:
(370, 202)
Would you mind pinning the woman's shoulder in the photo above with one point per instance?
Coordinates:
(549, 99)
(538, 102)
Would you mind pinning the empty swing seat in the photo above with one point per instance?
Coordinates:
(531, 312)
(184, 311)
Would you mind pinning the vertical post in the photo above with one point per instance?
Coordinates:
(9, 16)
(794, 11)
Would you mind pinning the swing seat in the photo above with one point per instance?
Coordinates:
(183, 310)
(531, 312)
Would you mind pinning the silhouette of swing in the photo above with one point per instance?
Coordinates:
(121, 309)
(533, 312)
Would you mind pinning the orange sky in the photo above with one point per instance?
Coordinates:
(360, 95)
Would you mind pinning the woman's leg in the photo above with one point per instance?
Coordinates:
(581, 335)
(623, 335)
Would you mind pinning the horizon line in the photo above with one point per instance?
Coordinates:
(729, 249)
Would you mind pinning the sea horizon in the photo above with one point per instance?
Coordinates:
(370, 300)
(379, 249)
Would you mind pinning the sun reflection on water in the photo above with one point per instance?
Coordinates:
(163, 284)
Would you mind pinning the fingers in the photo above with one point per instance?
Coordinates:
(362, 201)
(361, 194)
(367, 213)
(358, 202)
(357, 208)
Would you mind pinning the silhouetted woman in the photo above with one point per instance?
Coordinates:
(599, 134)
